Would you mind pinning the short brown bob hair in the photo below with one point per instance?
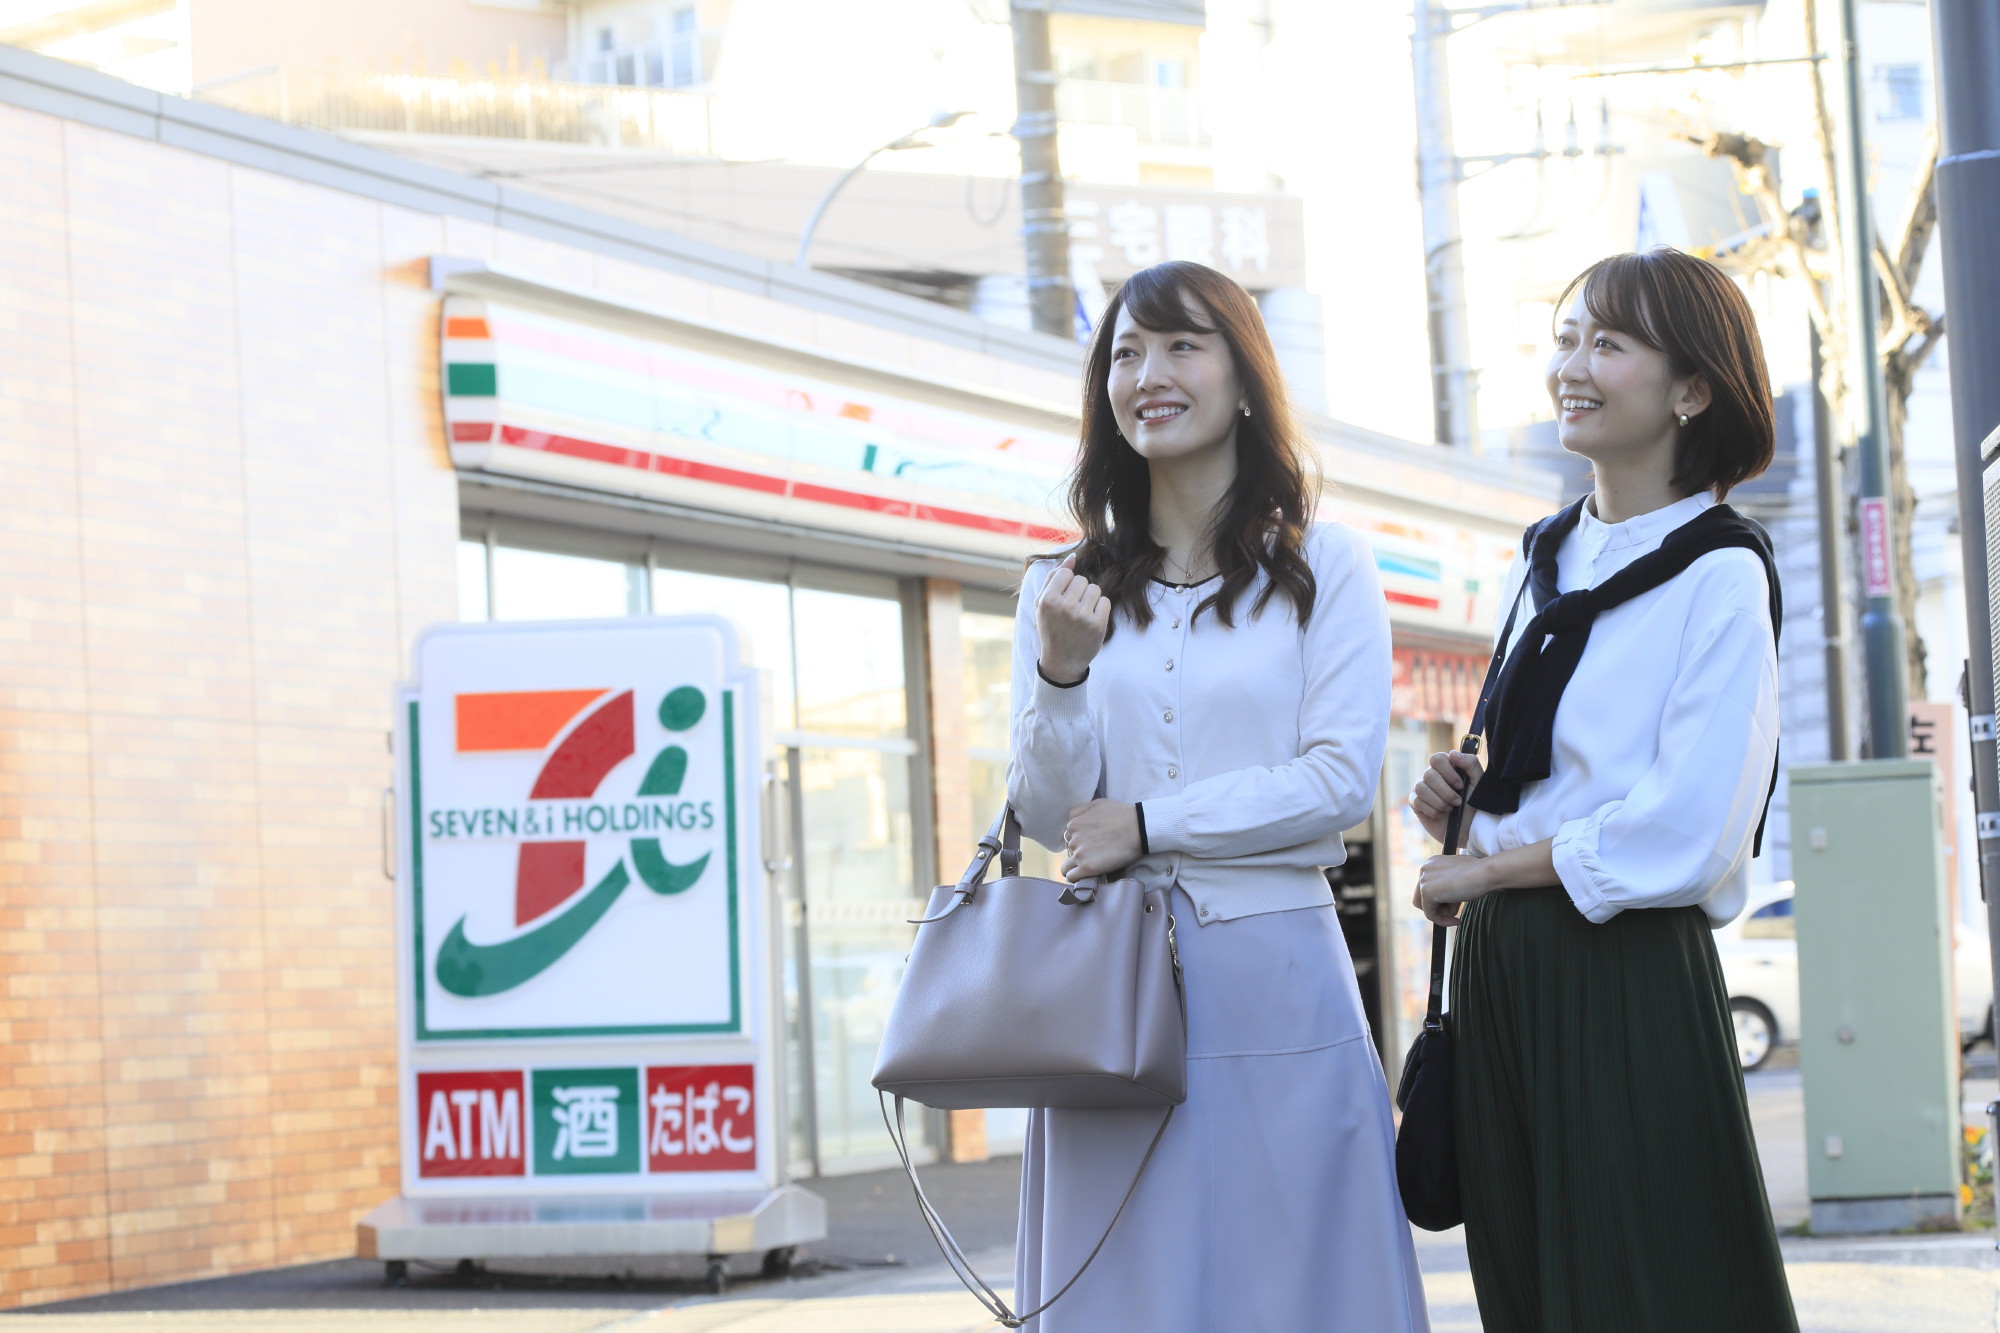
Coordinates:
(1688, 309)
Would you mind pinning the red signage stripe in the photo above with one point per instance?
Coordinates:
(720, 476)
(471, 432)
(830, 495)
(1411, 599)
(645, 461)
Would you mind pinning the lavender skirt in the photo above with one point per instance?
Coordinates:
(1271, 1205)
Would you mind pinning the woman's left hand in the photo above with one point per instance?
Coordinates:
(1101, 836)
(1446, 882)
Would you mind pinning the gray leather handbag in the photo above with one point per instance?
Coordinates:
(1028, 992)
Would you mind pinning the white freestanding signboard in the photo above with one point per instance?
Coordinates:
(586, 1020)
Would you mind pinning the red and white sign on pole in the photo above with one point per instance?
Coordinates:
(1875, 568)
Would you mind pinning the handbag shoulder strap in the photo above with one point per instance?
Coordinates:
(1434, 1010)
(948, 1244)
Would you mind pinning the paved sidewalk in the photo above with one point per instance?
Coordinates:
(878, 1273)
(1926, 1287)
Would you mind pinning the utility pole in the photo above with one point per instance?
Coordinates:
(1831, 498)
(1967, 33)
(1881, 626)
(1439, 170)
(1044, 227)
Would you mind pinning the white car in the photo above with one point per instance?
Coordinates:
(1760, 966)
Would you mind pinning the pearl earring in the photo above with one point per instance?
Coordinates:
(1684, 420)
(1246, 411)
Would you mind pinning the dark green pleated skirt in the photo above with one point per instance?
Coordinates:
(1609, 1176)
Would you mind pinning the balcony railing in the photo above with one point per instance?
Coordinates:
(1164, 117)
(675, 61)
(532, 109)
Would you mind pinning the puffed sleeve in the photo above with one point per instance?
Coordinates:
(1343, 729)
(1689, 822)
(1055, 762)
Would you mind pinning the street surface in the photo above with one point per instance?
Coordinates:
(879, 1273)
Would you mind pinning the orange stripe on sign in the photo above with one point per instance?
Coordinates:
(518, 720)
(460, 326)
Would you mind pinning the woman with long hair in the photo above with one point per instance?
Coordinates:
(1607, 1170)
(1201, 701)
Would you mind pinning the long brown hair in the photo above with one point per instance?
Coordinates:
(1261, 524)
(1690, 310)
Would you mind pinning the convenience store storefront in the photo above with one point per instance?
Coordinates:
(279, 402)
(681, 451)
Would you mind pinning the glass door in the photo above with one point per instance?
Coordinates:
(851, 789)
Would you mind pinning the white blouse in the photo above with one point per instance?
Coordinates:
(1250, 747)
(1666, 736)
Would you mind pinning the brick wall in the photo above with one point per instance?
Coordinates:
(227, 513)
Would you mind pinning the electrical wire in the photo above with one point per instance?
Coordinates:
(972, 211)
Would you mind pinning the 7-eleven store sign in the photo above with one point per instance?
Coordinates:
(582, 929)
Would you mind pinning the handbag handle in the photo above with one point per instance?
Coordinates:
(948, 1244)
(1003, 840)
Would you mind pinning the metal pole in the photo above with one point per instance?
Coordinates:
(819, 209)
(941, 121)
(1881, 627)
(1833, 601)
(1453, 404)
(1044, 226)
(1967, 33)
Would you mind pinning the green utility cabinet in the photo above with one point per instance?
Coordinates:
(1878, 1052)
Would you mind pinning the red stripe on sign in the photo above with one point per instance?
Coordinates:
(831, 495)
(667, 465)
(639, 459)
(1411, 599)
(471, 432)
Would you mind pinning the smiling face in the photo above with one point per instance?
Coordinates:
(1174, 394)
(1614, 395)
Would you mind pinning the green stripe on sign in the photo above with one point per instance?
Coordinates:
(471, 380)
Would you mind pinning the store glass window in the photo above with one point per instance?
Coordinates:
(761, 611)
(988, 640)
(851, 684)
(846, 785)
(472, 581)
(543, 585)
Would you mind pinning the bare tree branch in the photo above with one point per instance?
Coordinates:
(1920, 217)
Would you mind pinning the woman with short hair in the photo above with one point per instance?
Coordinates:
(1201, 701)
(1607, 1170)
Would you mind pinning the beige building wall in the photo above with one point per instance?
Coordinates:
(228, 513)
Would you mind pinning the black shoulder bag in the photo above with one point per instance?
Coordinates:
(1426, 1155)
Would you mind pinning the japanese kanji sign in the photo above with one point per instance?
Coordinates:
(599, 1121)
(582, 924)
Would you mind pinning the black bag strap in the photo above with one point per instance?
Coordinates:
(1434, 1011)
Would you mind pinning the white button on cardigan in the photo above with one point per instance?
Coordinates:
(1269, 738)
